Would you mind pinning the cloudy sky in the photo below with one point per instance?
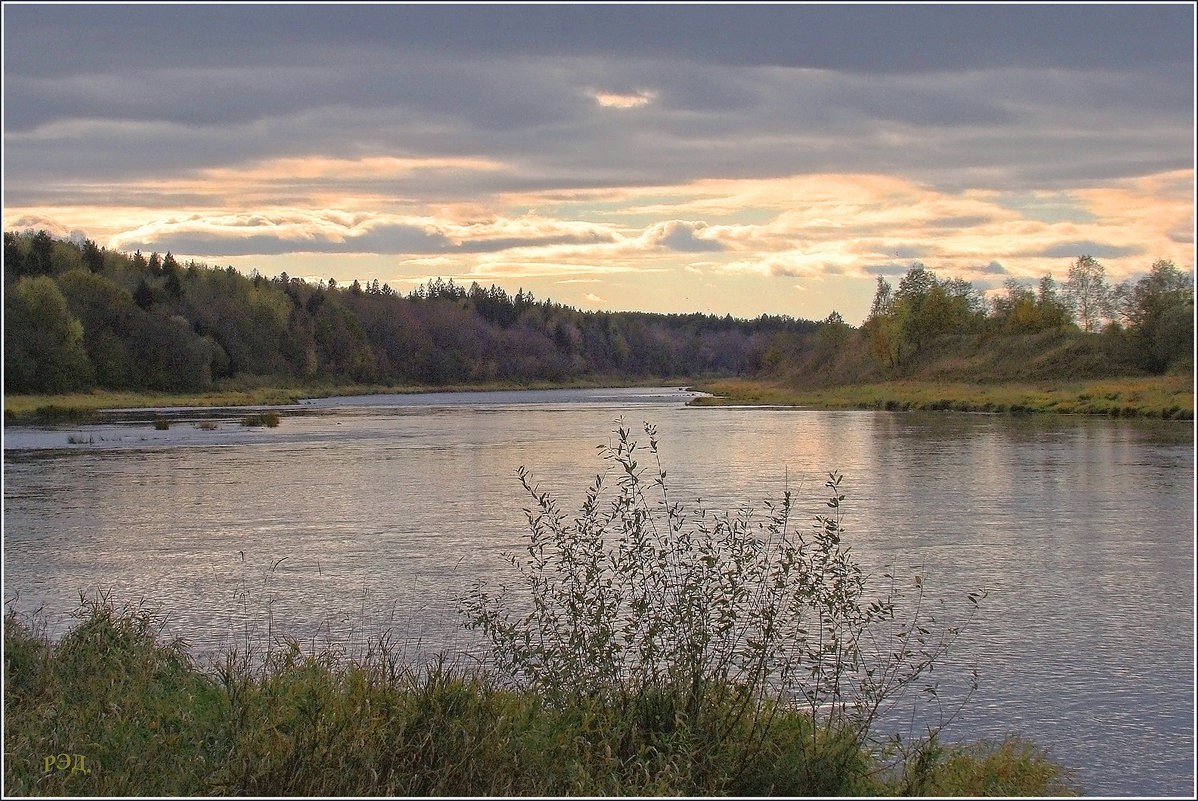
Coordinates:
(738, 158)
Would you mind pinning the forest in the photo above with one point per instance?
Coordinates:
(78, 316)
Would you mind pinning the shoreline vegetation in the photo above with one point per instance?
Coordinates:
(1169, 397)
(87, 329)
(115, 708)
(80, 405)
(654, 649)
(1159, 397)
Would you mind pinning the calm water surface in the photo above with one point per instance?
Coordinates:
(356, 515)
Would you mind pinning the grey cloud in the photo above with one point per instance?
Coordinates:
(915, 251)
(513, 95)
(230, 84)
(1099, 250)
(907, 101)
(390, 239)
(495, 245)
(888, 269)
(383, 239)
(782, 271)
(939, 128)
(193, 97)
(987, 284)
(863, 38)
(1183, 236)
(963, 221)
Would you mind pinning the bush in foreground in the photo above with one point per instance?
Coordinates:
(652, 652)
(745, 652)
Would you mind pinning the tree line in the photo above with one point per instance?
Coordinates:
(1143, 326)
(79, 316)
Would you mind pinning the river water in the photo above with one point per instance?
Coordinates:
(356, 516)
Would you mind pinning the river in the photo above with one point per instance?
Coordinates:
(358, 515)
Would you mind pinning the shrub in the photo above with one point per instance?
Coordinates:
(713, 624)
(1009, 768)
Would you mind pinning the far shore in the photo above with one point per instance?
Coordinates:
(1159, 397)
(42, 408)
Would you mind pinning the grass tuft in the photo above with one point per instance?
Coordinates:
(260, 419)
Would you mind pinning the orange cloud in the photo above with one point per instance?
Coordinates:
(799, 226)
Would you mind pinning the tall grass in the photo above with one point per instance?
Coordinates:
(652, 651)
(148, 721)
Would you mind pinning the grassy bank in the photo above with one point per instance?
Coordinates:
(31, 408)
(112, 708)
(82, 405)
(1161, 397)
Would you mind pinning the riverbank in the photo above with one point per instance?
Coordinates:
(1159, 397)
(82, 405)
(113, 709)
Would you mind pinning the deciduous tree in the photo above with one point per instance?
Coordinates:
(43, 341)
(1087, 294)
(1160, 312)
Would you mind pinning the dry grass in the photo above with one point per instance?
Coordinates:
(1162, 397)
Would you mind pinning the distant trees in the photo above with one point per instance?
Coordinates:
(1153, 319)
(77, 316)
(1148, 326)
(93, 256)
(106, 313)
(1022, 311)
(342, 349)
(903, 323)
(152, 322)
(38, 254)
(41, 248)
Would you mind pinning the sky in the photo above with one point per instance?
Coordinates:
(739, 159)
